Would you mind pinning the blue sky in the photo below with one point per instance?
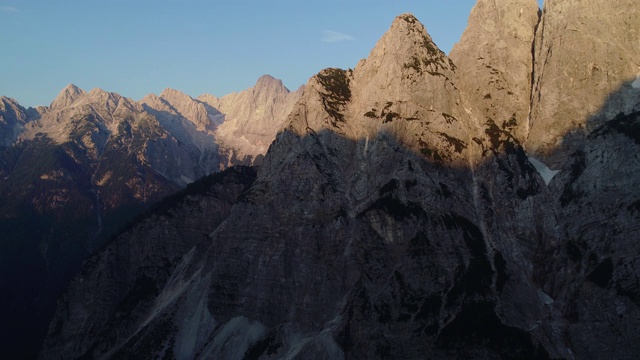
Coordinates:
(137, 47)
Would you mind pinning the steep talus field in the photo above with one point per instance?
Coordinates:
(405, 211)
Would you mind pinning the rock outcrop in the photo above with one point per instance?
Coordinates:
(174, 102)
(66, 97)
(12, 121)
(494, 60)
(584, 55)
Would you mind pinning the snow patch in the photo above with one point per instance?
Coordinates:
(186, 179)
(545, 298)
(636, 83)
(544, 171)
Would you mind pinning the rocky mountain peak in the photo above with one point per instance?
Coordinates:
(408, 44)
(369, 233)
(110, 104)
(209, 99)
(253, 117)
(189, 108)
(97, 93)
(8, 103)
(67, 96)
(173, 94)
(406, 87)
(74, 107)
(12, 120)
(404, 61)
(269, 83)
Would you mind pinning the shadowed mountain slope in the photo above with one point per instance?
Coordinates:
(391, 219)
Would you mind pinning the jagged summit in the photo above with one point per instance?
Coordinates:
(406, 87)
(12, 120)
(73, 96)
(408, 41)
(100, 94)
(67, 96)
(191, 109)
(7, 102)
(170, 93)
(267, 81)
(407, 65)
(252, 117)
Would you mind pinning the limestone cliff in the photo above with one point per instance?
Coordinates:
(583, 56)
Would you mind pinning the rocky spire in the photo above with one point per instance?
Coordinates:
(405, 52)
(578, 82)
(269, 83)
(406, 87)
(494, 61)
(67, 96)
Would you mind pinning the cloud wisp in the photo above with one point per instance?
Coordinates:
(8, 9)
(330, 36)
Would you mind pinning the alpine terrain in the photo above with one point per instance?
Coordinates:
(74, 172)
(481, 205)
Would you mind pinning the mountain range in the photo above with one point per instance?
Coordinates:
(76, 171)
(482, 204)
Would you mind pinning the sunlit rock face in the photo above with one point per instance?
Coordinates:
(586, 62)
(12, 120)
(397, 215)
(494, 60)
(252, 118)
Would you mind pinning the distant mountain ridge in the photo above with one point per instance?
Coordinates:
(75, 171)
